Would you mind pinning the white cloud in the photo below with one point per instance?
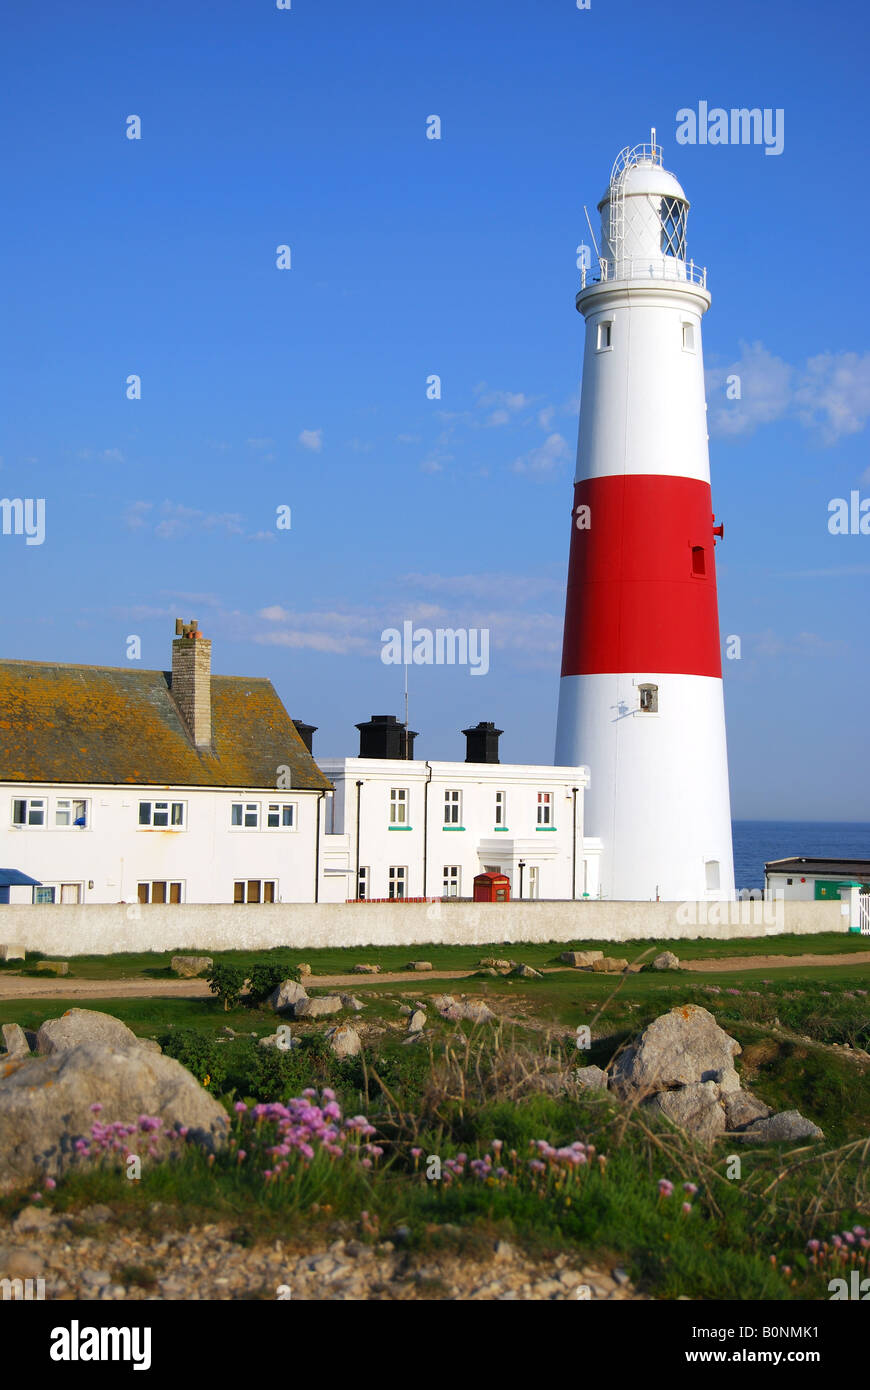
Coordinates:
(311, 439)
(829, 394)
(550, 455)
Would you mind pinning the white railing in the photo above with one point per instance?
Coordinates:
(864, 913)
(645, 268)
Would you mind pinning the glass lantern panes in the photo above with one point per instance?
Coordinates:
(674, 213)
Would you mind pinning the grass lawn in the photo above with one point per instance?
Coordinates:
(156, 965)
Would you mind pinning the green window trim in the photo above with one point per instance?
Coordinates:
(453, 827)
(400, 827)
(546, 827)
(498, 829)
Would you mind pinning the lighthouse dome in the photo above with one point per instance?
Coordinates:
(643, 216)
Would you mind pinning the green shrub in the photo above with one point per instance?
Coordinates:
(268, 975)
(227, 982)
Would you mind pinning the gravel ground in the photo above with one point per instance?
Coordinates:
(204, 1263)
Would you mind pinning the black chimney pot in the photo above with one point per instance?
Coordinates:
(384, 737)
(482, 743)
(306, 732)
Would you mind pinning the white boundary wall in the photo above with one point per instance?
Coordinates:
(96, 929)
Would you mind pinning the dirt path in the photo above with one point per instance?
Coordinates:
(28, 987)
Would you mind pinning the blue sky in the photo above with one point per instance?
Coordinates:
(410, 257)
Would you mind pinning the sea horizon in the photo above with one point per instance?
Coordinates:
(757, 842)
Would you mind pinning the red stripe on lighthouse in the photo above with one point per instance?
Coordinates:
(636, 599)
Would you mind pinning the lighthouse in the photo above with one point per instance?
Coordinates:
(641, 701)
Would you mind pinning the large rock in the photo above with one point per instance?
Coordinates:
(666, 961)
(609, 965)
(695, 1108)
(287, 995)
(45, 1104)
(780, 1128)
(420, 965)
(79, 1026)
(742, 1108)
(417, 1021)
(475, 1011)
(581, 959)
(318, 1008)
(52, 967)
(367, 969)
(590, 1078)
(344, 1040)
(495, 963)
(526, 972)
(188, 967)
(15, 1040)
(677, 1049)
(350, 1001)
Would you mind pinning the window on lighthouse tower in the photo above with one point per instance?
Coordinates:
(649, 699)
(699, 561)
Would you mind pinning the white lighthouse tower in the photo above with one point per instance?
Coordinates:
(641, 699)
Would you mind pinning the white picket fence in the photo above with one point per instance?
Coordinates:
(864, 913)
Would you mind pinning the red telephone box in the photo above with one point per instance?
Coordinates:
(492, 888)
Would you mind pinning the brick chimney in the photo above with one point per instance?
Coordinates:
(191, 680)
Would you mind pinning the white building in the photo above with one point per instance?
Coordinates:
(402, 827)
(122, 785)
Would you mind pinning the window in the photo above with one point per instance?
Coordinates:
(545, 808)
(160, 891)
(362, 887)
(29, 812)
(399, 806)
(452, 808)
(398, 881)
(604, 336)
(44, 895)
(254, 890)
(688, 337)
(70, 812)
(649, 699)
(711, 868)
(451, 882)
(534, 881)
(501, 808)
(162, 815)
(246, 815)
(280, 817)
(673, 214)
(699, 563)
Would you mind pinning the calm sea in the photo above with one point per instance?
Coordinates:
(758, 841)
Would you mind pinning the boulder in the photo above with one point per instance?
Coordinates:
(581, 959)
(695, 1108)
(15, 1040)
(287, 995)
(304, 971)
(9, 952)
(417, 1021)
(666, 961)
(525, 972)
(443, 1002)
(79, 1026)
(45, 1104)
(590, 1078)
(188, 967)
(494, 963)
(678, 1048)
(420, 965)
(344, 1040)
(318, 1008)
(742, 1108)
(405, 1010)
(367, 969)
(283, 1041)
(52, 967)
(609, 965)
(788, 1125)
(350, 1001)
(475, 1011)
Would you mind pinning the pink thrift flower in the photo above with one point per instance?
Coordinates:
(686, 1208)
(50, 1184)
(666, 1187)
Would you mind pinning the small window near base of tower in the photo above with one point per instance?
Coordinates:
(712, 870)
(688, 337)
(649, 699)
(604, 336)
(699, 561)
